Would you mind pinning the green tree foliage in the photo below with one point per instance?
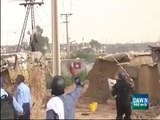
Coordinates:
(95, 44)
(89, 57)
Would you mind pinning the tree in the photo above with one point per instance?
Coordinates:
(95, 44)
(89, 57)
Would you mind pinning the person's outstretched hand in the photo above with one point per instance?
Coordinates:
(78, 81)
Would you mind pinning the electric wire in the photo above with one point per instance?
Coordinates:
(71, 6)
(63, 5)
(38, 16)
(44, 12)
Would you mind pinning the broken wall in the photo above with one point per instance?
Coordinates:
(98, 80)
(145, 77)
(34, 72)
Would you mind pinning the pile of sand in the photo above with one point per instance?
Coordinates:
(98, 89)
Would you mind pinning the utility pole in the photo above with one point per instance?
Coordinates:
(82, 42)
(30, 7)
(56, 69)
(67, 36)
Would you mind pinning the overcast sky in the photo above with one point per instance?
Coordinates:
(108, 21)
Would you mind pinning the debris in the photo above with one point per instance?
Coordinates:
(140, 67)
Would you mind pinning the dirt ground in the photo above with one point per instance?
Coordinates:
(104, 111)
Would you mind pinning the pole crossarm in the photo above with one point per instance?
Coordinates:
(32, 3)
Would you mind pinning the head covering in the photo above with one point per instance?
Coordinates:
(122, 75)
(57, 85)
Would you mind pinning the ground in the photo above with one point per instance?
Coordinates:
(104, 111)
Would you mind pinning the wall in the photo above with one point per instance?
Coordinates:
(148, 81)
(155, 77)
(98, 80)
(140, 60)
(146, 78)
(133, 72)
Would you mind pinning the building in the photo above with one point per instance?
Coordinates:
(140, 67)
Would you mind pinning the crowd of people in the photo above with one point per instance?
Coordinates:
(60, 105)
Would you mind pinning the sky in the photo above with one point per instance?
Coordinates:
(107, 21)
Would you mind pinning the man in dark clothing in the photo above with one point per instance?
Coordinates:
(62, 106)
(122, 90)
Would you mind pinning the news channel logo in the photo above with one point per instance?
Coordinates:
(140, 102)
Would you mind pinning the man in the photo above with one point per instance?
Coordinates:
(122, 90)
(9, 105)
(62, 106)
(23, 97)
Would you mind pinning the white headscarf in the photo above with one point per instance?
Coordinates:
(56, 104)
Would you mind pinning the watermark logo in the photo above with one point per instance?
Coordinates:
(140, 101)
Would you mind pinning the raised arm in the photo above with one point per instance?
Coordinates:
(75, 94)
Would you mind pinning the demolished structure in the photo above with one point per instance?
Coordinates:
(140, 67)
(156, 55)
(31, 65)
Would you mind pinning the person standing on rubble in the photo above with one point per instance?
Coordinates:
(9, 105)
(62, 106)
(122, 90)
(23, 97)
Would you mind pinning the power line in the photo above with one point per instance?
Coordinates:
(63, 5)
(71, 5)
(44, 12)
(39, 17)
(43, 26)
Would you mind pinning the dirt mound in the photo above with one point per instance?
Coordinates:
(98, 80)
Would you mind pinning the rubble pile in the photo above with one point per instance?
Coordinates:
(140, 67)
(31, 65)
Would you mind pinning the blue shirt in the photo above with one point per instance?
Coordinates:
(16, 106)
(70, 100)
(23, 94)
